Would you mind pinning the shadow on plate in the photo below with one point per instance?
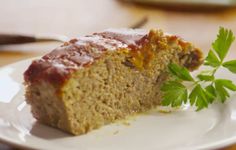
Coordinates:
(47, 132)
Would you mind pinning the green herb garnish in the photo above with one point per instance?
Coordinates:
(205, 88)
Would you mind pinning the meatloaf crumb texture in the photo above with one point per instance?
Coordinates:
(95, 80)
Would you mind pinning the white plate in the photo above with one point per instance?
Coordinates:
(184, 129)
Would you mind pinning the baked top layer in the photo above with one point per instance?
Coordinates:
(80, 52)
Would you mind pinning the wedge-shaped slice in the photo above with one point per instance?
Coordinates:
(97, 79)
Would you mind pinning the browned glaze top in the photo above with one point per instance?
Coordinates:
(57, 65)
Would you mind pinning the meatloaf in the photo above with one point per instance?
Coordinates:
(94, 80)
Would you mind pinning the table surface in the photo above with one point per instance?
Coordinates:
(80, 17)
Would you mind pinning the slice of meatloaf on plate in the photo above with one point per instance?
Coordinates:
(97, 79)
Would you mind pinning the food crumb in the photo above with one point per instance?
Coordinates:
(116, 132)
(126, 123)
(167, 109)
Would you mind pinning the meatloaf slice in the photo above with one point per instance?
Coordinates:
(97, 79)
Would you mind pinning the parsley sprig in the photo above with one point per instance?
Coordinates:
(205, 87)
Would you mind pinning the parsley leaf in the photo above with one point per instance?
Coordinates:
(221, 91)
(180, 72)
(231, 65)
(223, 42)
(200, 97)
(226, 83)
(211, 89)
(175, 94)
(212, 60)
(204, 77)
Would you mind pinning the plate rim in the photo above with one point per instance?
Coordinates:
(214, 145)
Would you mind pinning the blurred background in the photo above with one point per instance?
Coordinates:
(197, 21)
